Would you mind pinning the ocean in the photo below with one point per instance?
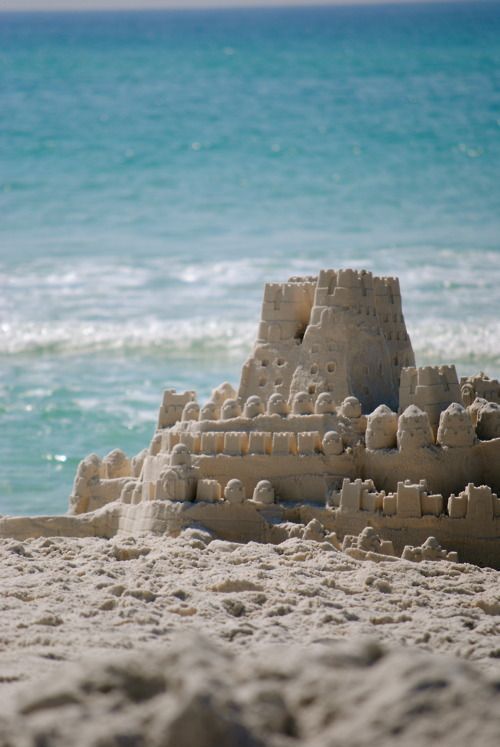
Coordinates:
(157, 168)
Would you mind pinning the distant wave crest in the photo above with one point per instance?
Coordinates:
(465, 343)
(193, 337)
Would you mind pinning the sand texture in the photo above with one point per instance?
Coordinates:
(242, 644)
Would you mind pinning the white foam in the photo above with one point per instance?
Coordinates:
(184, 337)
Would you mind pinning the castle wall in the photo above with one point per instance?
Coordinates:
(446, 470)
(309, 477)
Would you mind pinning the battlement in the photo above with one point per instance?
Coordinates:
(475, 503)
(431, 388)
(345, 288)
(348, 278)
(445, 376)
(310, 279)
(479, 385)
(387, 287)
(242, 443)
(172, 406)
(290, 292)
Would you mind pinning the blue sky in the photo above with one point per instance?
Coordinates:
(137, 4)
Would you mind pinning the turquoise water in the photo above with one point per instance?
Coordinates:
(157, 168)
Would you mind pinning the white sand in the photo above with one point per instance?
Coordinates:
(79, 600)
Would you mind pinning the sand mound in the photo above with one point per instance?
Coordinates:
(193, 694)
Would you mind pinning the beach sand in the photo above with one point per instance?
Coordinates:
(193, 641)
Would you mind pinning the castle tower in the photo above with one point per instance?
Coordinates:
(342, 332)
(286, 310)
(431, 388)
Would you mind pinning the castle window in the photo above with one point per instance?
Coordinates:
(262, 381)
(299, 334)
(314, 368)
(396, 361)
(312, 389)
(280, 362)
(264, 362)
(330, 367)
(278, 381)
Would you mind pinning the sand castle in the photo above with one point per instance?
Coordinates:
(331, 422)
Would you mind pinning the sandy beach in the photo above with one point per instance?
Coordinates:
(198, 641)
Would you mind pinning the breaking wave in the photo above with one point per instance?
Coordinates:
(182, 307)
(468, 345)
(193, 338)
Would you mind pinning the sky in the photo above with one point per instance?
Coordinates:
(22, 5)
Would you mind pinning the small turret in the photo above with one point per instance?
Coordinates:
(414, 430)
(488, 421)
(455, 427)
(381, 430)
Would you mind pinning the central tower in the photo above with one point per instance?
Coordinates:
(342, 332)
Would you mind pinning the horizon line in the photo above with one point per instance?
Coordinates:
(233, 5)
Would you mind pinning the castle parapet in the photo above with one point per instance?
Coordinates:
(479, 385)
(482, 504)
(208, 490)
(284, 443)
(354, 496)
(409, 499)
(259, 442)
(191, 440)
(235, 443)
(345, 288)
(172, 407)
(212, 442)
(431, 388)
(309, 442)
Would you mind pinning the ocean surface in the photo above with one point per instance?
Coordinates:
(157, 168)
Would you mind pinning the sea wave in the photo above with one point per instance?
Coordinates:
(469, 345)
(194, 337)
(434, 341)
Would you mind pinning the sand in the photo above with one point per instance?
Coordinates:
(217, 643)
